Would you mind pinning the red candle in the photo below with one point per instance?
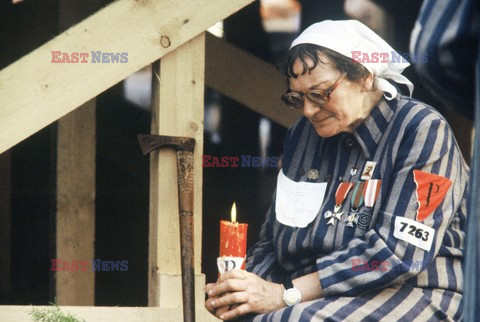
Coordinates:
(233, 238)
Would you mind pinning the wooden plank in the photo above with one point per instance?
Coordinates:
(106, 313)
(170, 290)
(178, 94)
(248, 80)
(35, 92)
(5, 227)
(75, 229)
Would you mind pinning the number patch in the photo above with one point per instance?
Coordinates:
(414, 232)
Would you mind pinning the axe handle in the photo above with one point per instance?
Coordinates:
(185, 203)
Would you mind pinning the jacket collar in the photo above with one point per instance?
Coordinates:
(370, 131)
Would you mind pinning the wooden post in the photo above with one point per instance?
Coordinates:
(5, 227)
(75, 231)
(178, 92)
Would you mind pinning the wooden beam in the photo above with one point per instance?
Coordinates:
(248, 80)
(106, 313)
(75, 229)
(178, 94)
(36, 92)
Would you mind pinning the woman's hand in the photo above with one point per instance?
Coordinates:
(238, 293)
(217, 312)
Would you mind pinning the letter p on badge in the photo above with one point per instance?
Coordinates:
(431, 190)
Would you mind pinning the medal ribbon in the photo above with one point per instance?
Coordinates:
(357, 195)
(370, 192)
(342, 192)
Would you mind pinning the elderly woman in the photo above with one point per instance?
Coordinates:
(368, 217)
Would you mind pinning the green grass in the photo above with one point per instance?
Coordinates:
(53, 314)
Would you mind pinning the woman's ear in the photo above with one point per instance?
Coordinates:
(368, 83)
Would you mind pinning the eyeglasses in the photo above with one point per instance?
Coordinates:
(296, 100)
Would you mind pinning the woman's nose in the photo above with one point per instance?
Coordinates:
(310, 109)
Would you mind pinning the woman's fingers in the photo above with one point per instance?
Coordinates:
(235, 312)
(209, 286)
(238, 293)
(208, 302)
(208, 305)
(234, 274)
(230, 299)
(230, 285)
(220, 311)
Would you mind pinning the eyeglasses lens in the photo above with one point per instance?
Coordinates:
(296, 101)
(317, 98)
(293, 100)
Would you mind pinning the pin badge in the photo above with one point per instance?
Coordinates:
(353, 171)
(368, 170)
(313, 174)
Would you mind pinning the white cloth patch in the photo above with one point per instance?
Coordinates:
(414, 233)
(298, 203)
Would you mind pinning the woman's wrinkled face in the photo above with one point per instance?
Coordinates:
(347, 106)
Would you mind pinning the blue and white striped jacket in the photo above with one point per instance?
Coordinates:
(400, 135)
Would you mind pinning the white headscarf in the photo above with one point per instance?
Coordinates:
(345, 36)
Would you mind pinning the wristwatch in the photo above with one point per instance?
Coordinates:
(291, 295)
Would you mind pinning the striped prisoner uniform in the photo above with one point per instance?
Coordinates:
(400, 135)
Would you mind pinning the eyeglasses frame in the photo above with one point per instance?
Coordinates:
(325, 93)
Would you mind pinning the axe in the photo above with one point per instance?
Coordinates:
(184, 147)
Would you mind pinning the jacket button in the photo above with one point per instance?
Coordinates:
(349, 142)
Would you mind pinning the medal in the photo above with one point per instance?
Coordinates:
(370, 194)
(356, 202)
(340, 195)
(363, 220)
(332, 215)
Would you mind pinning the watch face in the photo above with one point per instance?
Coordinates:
(292, 296)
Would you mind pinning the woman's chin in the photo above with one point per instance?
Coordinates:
(326, 132)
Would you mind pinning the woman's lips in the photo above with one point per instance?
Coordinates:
(322, 120)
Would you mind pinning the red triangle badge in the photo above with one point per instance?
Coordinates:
(431, 189)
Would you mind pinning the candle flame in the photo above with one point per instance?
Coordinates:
(233, 213)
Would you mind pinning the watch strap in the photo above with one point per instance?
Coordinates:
(291, 295)
(287, 283)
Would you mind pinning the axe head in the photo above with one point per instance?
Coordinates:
(150, 142)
